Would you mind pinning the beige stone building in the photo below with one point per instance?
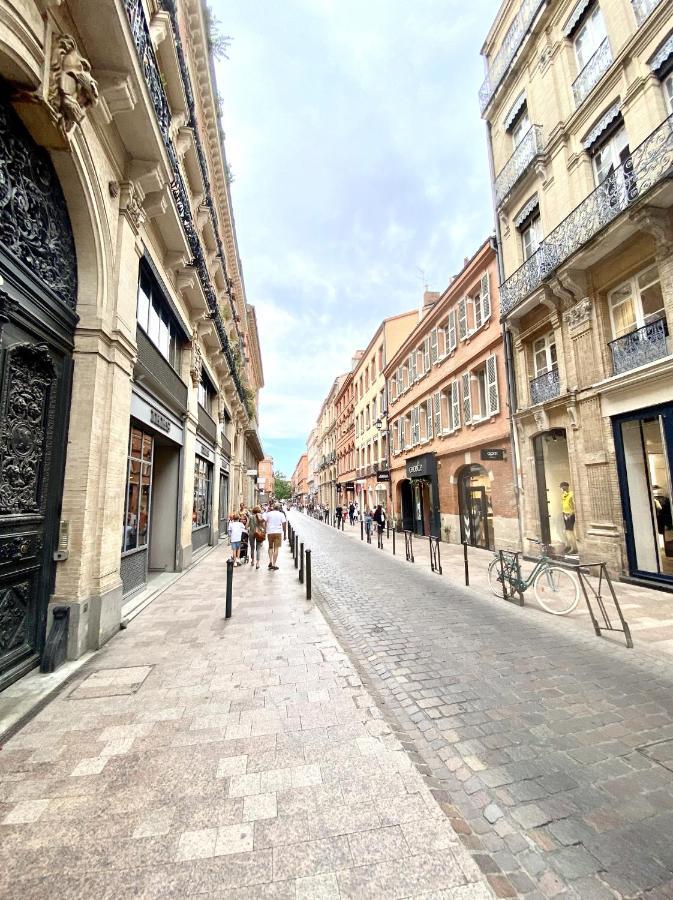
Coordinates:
(578, 99)
(300, 481)
(131, 363)
(312, 466)
(265, 479)
(327, 440)
(372, 483)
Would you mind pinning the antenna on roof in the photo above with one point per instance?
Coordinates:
(424, 282)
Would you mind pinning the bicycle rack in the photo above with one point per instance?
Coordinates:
(409, 546)
(435, 561)
(597, 593)
(510, 570)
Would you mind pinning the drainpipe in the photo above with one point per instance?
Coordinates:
(507, 344)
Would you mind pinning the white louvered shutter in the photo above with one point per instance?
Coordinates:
(415, 425)
(428, 417)
(485, 293)
(426, 354)
(411, 368)
(462, 319)
(455, 404)
(451, 330)
(492, 398)
(433, 346)
(437, 400)
(467, 398)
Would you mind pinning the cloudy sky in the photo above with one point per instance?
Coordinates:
(361, 173)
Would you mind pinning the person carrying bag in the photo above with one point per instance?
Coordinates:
(256, 534)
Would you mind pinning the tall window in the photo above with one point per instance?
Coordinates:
(610, 154)
(544, 354)
(138, 490)
(156, 320)
(520, 126)
(589, 37)
(636, 302)
(668, 92)
(203, 476)
(206, 392)
(531, 234)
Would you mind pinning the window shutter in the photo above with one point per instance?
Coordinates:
(428, 418)
(438, 412)
(416, 425)
(455, 404)
(492, 399)
(485, 297)
(451, 328)
(410, 367)
(426, 354)
(467, 398)
(462, 319)
(433, 345)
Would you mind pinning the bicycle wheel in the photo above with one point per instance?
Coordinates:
(557, 590)
(495, 581)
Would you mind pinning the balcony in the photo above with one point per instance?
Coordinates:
(639, 347)
(592, 73)
(207, 424)
(642, 8)
(502, 61)
(519, 163)
(158, 373)
(545, 387)
(649, 164)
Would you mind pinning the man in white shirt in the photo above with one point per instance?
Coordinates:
(276, 529)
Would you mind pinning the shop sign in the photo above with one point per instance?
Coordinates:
(383, 476)
(491, 453)
(251, 473)
(205, 451)
(349, 486)
(419, 466)
(160, 421)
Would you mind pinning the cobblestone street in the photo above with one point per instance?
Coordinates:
(550, 750)
(238, 759)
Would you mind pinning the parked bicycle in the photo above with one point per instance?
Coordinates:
(556, 588)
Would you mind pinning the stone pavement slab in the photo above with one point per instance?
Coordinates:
(240, 758)
(547, 748)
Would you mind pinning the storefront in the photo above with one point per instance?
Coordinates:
(419, 496)
(223, 505)
(151, 513)
(552, 469)
(202, 509)
(644, 450)
(382, 489)
(475, 507)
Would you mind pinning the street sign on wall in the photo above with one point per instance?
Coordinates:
(491, 453)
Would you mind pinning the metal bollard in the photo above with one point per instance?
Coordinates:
(230, 584)
(362, 530)
(466, 564)
(393, 542)
(387, 529)
(296, 551)
(502, 574)
(308, 574)
(301, 563)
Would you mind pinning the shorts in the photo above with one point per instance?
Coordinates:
(274, 540)
(569, 521)
(235, 545)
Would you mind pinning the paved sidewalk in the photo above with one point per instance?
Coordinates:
(240, 759)
(648, 612)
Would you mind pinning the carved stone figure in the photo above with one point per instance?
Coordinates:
(72, 89)
(579, 314)
(196, 363)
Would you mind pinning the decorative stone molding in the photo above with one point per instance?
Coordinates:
(156, 203)
(656, 222)
(196, 361)
(145, 172)
(72, 88)
(7, 306)
(578, 314)
(118, 92)
(541, 420)
(571, 410)
(130, 205)
(160, 27)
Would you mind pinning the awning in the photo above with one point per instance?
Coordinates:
(662, 55)
(526, 210)
(606, 119)
(575, 16)
(514, 110)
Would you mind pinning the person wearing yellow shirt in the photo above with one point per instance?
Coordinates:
(568, 510)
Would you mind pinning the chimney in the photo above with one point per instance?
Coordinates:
(430, 298)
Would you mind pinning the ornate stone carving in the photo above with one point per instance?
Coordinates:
(196, 361)
(34, 223)
(7, 307)
(130, 205)
(541, 420)
(23, 413)
(578, 314)
(72, 89)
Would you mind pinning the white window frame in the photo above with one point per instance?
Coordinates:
(610, 155)
(548, 341)
(426, 355)
(429, 419)
(466, 392)
(520, 127)
(534, 229)
(451, 331)
(667, 87)
(589, 37)
(434, 346)
(633, 283)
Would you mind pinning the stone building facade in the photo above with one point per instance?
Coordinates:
(578, 100)
(327, 470)
(265, 479)
(130, 358)
(300, 481)
(451, 467)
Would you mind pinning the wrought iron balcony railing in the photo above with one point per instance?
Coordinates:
(642, 8)
(545, 387)
(519, 162)
(513, 40)
(644, 345)
(592, 73)
(649, 163)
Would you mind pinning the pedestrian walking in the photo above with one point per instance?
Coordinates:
(368, 523)
(380, 518)
(235, 532)
(256, 534)
(339, 516)
(357, 511)
(351, 513)
(276, 530)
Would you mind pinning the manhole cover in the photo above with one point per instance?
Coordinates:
(111, 682)
(659, 752)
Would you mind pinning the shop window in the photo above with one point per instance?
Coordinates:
(544, 354)
(203, 476)
(156, 320)
(589, 37)
(138, 491)
(637, 302)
